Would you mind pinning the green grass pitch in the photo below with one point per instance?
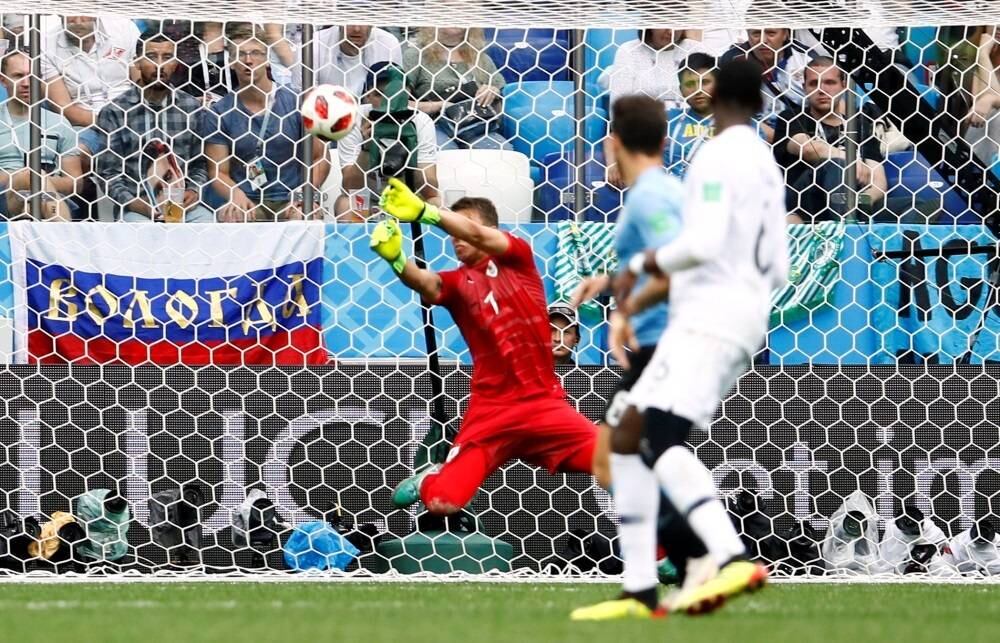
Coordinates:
(343, 611)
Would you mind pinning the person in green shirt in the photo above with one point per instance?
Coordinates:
(446, 67)
(61, 168)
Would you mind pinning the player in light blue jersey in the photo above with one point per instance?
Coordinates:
(651, 217)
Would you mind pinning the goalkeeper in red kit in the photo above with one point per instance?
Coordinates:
(496, 297)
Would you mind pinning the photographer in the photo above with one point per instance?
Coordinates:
(390, 140)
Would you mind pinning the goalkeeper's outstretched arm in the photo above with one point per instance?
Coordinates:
(387, 242)
(425, 282)
(490, 240)
(399, 201)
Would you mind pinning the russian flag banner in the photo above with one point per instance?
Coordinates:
(121, 293)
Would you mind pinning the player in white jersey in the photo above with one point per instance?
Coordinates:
(731, 253)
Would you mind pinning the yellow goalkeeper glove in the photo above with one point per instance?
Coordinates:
(399, 201)
(387, 242)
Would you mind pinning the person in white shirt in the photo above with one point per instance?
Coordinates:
(730, 255)
(86, 64)
(649, 66)
(383, 92)
(343, 56)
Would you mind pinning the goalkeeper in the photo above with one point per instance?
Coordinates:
(496, 297)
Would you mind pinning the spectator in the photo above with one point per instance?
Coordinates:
(60, 156)
(343, 56)
(149, 125)
(688, 128)
(810, 145)
(10, 32)
(565, 332)
(714, 42)
(783, 62)
(649, 66)
(204, 70)
(251, 137)
(387, 117)
(984, 130)
(448, 74)
(86, 64)
(283, 56)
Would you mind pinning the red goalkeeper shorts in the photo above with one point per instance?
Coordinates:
(545, 432)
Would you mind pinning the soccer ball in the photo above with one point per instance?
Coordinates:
(329, 112)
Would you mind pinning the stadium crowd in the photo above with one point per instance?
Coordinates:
(188, 121)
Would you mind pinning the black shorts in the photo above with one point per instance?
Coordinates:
(618, 400)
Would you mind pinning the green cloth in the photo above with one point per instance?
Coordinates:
(587, 248)
(107, 532)
(584, 249)
(814, 269)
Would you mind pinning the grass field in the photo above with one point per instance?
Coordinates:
(481, 613)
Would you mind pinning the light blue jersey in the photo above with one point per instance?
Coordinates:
(686, 131)
(651, 217)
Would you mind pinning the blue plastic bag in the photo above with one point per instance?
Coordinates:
(316, 545)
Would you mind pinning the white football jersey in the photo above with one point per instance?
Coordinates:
(732, 252)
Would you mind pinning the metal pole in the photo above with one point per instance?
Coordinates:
(851, 135)
(579, 64)
(35, 116)
(308, 194)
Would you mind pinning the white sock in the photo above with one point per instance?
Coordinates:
(689, 486)
(637, 500)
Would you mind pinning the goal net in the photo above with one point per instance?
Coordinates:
(208, 370)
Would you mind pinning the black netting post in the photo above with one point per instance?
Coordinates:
(427, 318)
(306, 52)
(35, 116)
(579, 66)
(851, 136)
(430, 337)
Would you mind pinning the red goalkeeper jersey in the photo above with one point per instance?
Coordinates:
(499, 306)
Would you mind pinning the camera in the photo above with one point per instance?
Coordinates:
(15, 536)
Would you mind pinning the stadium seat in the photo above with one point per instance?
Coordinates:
(601, 47)
(554, 197)
(909, 176)
(502, 176)
(920, 49)
(539, 119)
(525, 55)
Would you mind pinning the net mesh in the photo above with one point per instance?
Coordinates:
(203, 393)
(556, 14)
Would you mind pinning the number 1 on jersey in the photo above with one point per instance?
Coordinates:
(492, 301)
